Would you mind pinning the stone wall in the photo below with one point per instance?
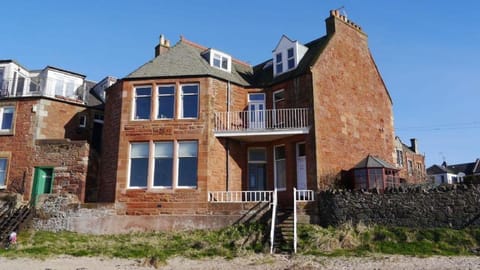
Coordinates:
(454, 206)
(64, 212)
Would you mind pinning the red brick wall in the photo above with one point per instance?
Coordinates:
(43, 118)
(353, 111)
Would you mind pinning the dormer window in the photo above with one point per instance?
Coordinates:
(287, 55)
(218, 59)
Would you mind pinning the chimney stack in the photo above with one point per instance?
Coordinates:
(337, 18)
(414, 145)
(162, 47)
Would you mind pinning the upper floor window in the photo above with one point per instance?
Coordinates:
(400, 158)
(142, 102)
(290, 59)
(279, 63)
(189, 101)
(166, 102)
(219, 60)
(410, 167)
(3, 171)
(6, 118)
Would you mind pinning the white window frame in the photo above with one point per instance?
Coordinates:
(279, 63)
(275, 167)
(130, 165)
(217, 55)
(82, 121)
(177, 162)
(290, 58)
(5, 172)
(2, 109)
(180, 107)
(273, 97)
(173, 166)
(134, 102)
(157, 100)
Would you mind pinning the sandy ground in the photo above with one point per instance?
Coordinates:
(276, 262)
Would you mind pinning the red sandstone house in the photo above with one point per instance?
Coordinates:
(50, 131)
(410, 162)
(194, 128)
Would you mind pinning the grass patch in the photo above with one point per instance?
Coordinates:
(346, 240)
(361, 240)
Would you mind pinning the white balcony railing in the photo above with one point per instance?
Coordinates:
(304, 195)
(240, 196)
(279, 119)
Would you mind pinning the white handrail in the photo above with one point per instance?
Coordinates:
(276, 119)
(294, 219)
(240, 196)
(274, 215)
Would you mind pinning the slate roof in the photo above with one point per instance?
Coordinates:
(185, 59)
(374, 162)
(467, 168)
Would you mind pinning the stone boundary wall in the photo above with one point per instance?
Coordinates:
(453, 206)
(64, 212)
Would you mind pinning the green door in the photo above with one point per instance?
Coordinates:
(42, 182)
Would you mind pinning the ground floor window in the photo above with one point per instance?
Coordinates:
(165, 164)
(3, 171)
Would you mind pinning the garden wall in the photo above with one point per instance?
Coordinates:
(453, 206)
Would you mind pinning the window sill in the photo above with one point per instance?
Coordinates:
(6, 132)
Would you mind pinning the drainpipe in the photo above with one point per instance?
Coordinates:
(227, 165)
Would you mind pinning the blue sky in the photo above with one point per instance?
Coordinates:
(427, 51)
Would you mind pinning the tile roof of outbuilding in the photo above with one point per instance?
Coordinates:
(374, 162)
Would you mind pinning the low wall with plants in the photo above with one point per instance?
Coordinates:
(452, 206)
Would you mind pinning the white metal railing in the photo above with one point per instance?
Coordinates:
(299, 196)
(278, 119)
(240, 196)
(274, 215)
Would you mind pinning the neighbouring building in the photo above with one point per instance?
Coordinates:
(50, 131)
(452, 174)
(194, 127)
(410, 162)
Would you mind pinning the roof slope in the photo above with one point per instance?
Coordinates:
(466, 168)
(374, 162)
(184, 59)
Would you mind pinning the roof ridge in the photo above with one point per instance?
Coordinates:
(201, 47)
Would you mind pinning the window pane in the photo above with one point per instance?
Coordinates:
(257, 154)
(256, 97)
(190, 104)
(290, 53)
(163, 172)
(280, 174)
(165, 106)
(7, 119)
(279, 57)
(187, 171)
(142, 105)
(279, 152)
(138, 172)
(166, 90)
(291, 63)
(225, 63)
(216, 62)
(190, 89)
(301, 150)
(279, 68)
(3, 171)
(143, 91)
(164, 149)
(187, 149)
(278, 96)
(139, 150)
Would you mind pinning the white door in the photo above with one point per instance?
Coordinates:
(256, 111)
(301, 167)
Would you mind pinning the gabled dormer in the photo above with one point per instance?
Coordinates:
(218, 59)
(287, 55)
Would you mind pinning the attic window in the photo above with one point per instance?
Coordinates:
(219, 60)
(290, 58)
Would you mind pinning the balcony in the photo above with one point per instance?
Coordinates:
(262, 125)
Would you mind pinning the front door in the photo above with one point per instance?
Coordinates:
(301, 167)
(256, 111)
(42, 183)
